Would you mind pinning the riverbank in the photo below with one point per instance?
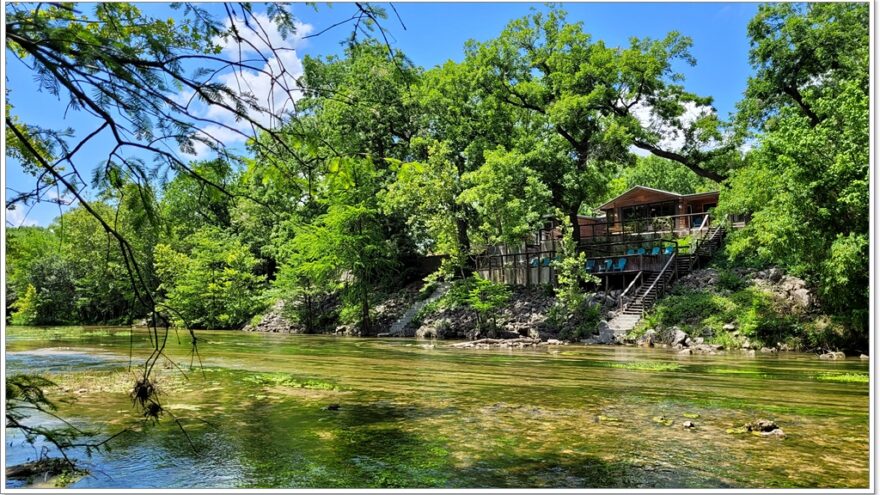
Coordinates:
(717, 309)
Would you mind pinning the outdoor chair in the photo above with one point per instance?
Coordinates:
(630, 252)
(621, 264)
(607, 265)
(641, 251)
(655, 251)
(590, 266)
(668, 250)
(534, 262)
(545, 261)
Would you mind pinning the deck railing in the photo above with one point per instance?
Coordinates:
(538, 268)
(642, 227)
(622, 300)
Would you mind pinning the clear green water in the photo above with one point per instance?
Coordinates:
(416, 415)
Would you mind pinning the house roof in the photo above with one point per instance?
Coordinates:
(635, 189)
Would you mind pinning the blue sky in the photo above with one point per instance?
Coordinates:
(436, 32)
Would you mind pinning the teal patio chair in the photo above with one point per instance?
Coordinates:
(534, 262)
(621, 264)
(668, 250)
(590, 266)
(630, 252)
(545, 261)
(655, 251)
(641, 251)
(607, 265)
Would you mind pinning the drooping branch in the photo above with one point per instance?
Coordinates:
(693, 164)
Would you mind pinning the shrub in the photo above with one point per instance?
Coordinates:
(728, 280)
(487, 298)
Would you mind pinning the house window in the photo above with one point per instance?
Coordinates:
(648, 211)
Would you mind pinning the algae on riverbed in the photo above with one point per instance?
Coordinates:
(413, 417)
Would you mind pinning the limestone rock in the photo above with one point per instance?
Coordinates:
(648, 339)
(678, 336)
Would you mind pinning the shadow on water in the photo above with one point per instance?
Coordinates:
(578, 470)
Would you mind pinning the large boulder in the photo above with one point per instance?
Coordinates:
(274, 321)
(678, 337)
(648, 339)
(802, 298)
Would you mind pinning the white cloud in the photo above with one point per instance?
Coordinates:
(18, 218)
(272, 82)
(672, 138)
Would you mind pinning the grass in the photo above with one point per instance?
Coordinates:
(844, 377)
(647, 366)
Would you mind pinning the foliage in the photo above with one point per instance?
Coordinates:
(572, 302)
(25, 309)
(486, 298)
(508, 197)
(381, 160)
(730, 281)
(26, 394)
(809, 102)
(188, 203)
(347, 247)
(210, 283)
(50, 297)
(571, 274)
(426, 194)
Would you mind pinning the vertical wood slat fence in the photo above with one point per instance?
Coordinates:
(527, 269)
(535, 268)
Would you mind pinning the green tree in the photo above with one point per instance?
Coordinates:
(508, 197)
(426, 194)
(457, 124)
(583, 98)
(188, 203)
(347, 247)
(487, 298)
(25, 246)
(806, 182)
(659, 173)
(211, 283)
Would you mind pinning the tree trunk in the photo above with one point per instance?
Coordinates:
(575, 226)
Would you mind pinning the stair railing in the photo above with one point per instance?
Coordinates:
(659, 277)
(620, 299)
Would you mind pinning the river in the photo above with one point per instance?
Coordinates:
(416, 414)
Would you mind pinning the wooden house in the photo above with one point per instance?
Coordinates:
(638, 208)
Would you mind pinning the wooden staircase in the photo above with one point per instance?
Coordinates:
(636, 300)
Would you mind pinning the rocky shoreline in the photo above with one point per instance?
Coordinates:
(523, 322)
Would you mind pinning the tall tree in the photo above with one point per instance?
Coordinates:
(584, 99)
(809, 104)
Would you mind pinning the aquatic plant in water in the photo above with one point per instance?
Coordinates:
(843, 377)
(647, 366)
